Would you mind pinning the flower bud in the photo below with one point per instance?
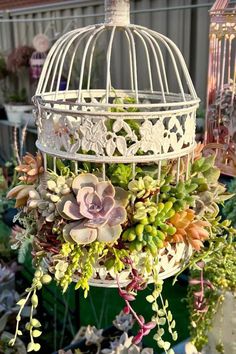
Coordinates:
(34, 300)
(126, 310)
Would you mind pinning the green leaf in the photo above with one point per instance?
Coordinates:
(21, 302)
(169, 316)
(11, 342)
(162, 321)
(166, 346)
(171, 351)
(34, 300)
(28, 326)
(36, 333)
(160, 343)
(35, 323)
(175, 336)
(150, 299)
(37, 347)
(160, 332)
(30, 347)
(156, 337)
(173, 323)
(155, 307)
(161, 312)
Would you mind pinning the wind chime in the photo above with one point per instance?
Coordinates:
(221, 99)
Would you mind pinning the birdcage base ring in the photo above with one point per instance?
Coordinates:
(170, 261)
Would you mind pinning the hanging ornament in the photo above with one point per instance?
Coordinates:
(41, 43)
(36, 64)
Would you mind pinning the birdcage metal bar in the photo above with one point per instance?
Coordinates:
(108, 66)
(56, 59)
(162, 64)
(133, 52)
(130, 62)
(91, 57)
(168, 42)
(83, 62)
(157, 65)
(173, 62)
(147, 58)
(48, 63)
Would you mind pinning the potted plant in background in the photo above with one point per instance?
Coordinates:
(114, 340)
(3, 67)
(17, 105)
(8, 308)
(3, 74)
(7, 277)
(17, 102)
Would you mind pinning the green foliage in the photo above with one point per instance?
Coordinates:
(162, 316)
(79, 260)
(151, 228)
(23, 249)
(18, 97)
(220, 270)
(229, 209)
(33, 325)
(95, 250)
(120, 174)
(180, 195)
(3, 67)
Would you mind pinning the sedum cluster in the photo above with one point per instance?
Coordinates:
(84, 222)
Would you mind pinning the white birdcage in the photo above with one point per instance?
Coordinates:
(84, 124)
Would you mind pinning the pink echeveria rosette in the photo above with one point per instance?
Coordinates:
(96, 208)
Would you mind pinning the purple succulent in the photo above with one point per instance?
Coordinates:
(97, 209)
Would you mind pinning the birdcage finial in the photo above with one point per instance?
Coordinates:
(117, 12)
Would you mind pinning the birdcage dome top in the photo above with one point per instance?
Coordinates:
(117, 71)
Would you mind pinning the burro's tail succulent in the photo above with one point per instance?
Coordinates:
(96, 208)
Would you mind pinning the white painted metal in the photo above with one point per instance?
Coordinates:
(170, 261)
(166, 117)
(84, 123)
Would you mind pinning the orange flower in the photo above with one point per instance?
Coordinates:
(189, 230)
(32, 167)
(21, 194)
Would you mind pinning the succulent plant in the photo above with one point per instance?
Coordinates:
(191, 349)
(97, 208)
(8, 300)
(124, 322)
(31, 167)
(144, 209)
(6, 273)
(188, 229)
(48, 193)
(21, 194)
(60, 269)
(152, 227)
(143, 187)
(124, 345)
(93, 335)
(207, 201)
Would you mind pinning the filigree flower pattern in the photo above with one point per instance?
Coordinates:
(93, 136)
(151, 136)
(113, 136)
